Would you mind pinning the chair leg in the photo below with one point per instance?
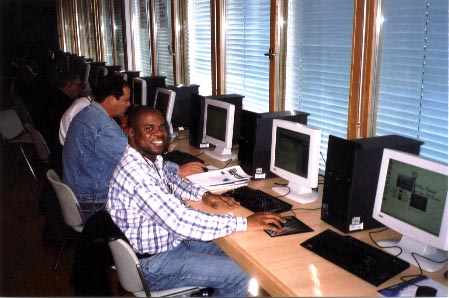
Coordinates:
(28, 163)
(60, 250)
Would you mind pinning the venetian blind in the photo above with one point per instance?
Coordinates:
(319, 47)
(247, 39)
(141, 37)
(199, 45)
(412, 97)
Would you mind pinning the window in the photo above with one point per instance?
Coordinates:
(412, 85)
(319, 45)
(199, 45)
(141, 37)
(106, 33)
(247, 38)
(163, 40)
(119, 53)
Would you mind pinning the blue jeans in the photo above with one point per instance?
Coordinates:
(195, 263)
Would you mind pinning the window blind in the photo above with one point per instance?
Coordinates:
(141, 37)
(199, 45)
(247, 39)
(164, 40)
(106, 33)
(118, 28)
(319, 47)
(412, 98)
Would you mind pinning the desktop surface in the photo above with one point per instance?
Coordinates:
(280, 264)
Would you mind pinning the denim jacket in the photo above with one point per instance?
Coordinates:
(93, 147)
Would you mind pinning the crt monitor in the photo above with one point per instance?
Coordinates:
(218, 128)
(139, 92)
(295, 152)
(164, 101)
(411, 198)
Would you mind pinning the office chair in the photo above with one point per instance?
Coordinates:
(13, 132)
(70, 208)
(130, 274)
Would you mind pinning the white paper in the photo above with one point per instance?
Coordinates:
(221, 179)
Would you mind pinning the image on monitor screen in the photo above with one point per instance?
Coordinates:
(139, 92)
(411, 199)
(218, 128)
(295, 151)
(164, 101)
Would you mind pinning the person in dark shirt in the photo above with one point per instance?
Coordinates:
(52, 103)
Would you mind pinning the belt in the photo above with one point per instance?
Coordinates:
(144, 256)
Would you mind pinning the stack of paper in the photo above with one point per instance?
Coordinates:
(221, 179)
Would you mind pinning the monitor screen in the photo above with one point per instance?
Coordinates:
(411, 199)
(139, 92)
(164, 101)
(219, 128)
(295, 151)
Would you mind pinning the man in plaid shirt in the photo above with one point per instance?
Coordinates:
(173, 241)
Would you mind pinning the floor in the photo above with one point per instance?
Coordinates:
(26, 261)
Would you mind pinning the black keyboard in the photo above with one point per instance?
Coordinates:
(257, 200)
(359, 258)
(180, 157)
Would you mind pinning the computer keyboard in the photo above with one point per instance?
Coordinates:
(361, 259)
(180, 157)
(257, 200)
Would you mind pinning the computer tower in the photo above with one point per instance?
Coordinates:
(255, 140)
(196, 121)
(197, 105)
(181, 109)
(153, 82)
(351, 175)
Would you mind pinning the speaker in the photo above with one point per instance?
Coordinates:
(350, 180)
(255, 140)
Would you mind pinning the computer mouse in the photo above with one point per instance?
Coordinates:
(425, 291)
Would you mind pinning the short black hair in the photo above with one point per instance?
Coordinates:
(135, 112)
(109, 85)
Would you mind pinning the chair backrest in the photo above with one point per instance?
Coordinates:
(70, 208)
(129, 272)
(42, 150)
(10, 124)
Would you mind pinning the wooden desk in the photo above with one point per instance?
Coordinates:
(284, 268)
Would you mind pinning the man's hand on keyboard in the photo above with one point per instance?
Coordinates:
(265, 221)
(215, 201)
(190, 168)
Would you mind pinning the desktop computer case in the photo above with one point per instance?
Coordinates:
(350, 181)
(255, 140)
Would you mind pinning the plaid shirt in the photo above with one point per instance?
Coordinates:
(145, 201)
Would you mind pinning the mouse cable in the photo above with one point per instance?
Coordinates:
(377, 244)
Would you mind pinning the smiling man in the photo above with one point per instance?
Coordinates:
(172, 241)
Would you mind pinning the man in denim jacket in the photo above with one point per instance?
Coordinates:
(95, 143)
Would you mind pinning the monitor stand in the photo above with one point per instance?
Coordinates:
(221, 154)
(171, 133)
(297, 193)
(409, 249)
